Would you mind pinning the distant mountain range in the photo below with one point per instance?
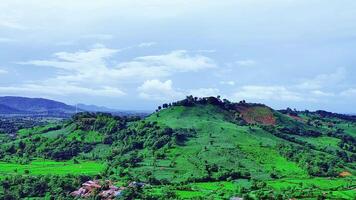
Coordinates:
(94, 108)
(11, 105)
(6, 109)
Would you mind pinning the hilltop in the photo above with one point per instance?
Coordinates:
(202, 148)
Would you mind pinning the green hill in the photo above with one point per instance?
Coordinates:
(197, 148)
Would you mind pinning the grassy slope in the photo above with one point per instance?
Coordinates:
(350, 128)
(63, 131)
(233, 146)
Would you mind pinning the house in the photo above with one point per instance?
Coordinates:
(107, 191)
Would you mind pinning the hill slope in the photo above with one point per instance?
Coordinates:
(6, 110)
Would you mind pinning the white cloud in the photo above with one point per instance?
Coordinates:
(323, 80)
(6, 40)
(81, 61)
(83, 70)
(157, 90)
(231, 83)
(93, 64)
(247, 62)
(204, 92)
(311, 90)
(61, 90)
(98, 36)
(91, 72)
(179, 61)
(164, 91)
(65, 43)
(11, 24)
(320, 93)
(206, 51)
(3, 71)
(146, 44)
(349, 92)
(256, 92)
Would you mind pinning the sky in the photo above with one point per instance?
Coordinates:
(136, 55)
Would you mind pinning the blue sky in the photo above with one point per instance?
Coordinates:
(132, 54)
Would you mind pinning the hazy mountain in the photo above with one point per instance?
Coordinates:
(94, 108)
(25, 105)
(6, 109)
(10, 105)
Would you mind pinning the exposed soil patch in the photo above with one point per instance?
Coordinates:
(256, 114)
(345, 174)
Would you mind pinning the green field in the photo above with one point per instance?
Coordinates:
(48, 167)
(334, 188)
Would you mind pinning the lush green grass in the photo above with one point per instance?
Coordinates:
(48, 167)
(340, 188)
(222, 142)
(64, 131)
(35, 130)
(350, 128)
(207, 190)
(337, 188)
(99, 151)
(334, 188)
(86, 136)
(322, 142)
(345, 194)
(322, 183)
(218, 141)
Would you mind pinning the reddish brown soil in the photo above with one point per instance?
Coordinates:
(345, 174)
(257, 114)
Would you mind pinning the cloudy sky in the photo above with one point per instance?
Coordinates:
(134, 54)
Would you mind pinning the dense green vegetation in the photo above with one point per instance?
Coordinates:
(10, 125)
(197, 148)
